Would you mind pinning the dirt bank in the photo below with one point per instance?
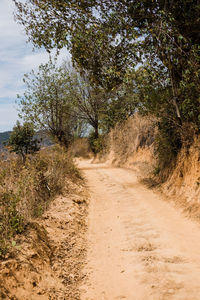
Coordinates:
(46, 262)
(132, 145)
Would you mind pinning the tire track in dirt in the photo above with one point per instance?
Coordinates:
(140, 246)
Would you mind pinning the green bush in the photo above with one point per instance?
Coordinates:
(167, 143)
(96, 144)
(11, 222)
(22, 141)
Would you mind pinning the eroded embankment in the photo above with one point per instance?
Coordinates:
(183, 184)
(131, 145)
(46, 262)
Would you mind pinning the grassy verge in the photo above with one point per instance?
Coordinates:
(26, 190)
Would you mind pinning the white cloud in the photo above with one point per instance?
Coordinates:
(33, 60)
(8, 116)
(16, 59)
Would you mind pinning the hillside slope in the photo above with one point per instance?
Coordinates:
(47, 261)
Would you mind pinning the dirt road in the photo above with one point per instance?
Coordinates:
(140, 246)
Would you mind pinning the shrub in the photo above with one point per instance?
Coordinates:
(167, 143)
(22, 140)
(97, 144)
(11, 222)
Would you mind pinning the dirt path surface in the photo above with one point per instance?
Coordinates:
(140, 246)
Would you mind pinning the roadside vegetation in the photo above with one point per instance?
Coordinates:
(26, 189)
(22, 140)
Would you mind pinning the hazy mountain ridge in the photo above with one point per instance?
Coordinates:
(40, 135)
(4, 136)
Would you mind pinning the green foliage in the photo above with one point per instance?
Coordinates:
(22, 141)
(122, 33)
(190, 89)
(89, 100)
(167, 144)
(156, 171)
(121, 105)
(106, 65)
(62, 101)
(48, 102)
(96, 143)
(11, 222)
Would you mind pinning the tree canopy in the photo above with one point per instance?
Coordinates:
(47, 103)
(62, 101)
(108, 38)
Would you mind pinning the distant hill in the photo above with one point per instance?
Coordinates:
(44, 137)
(45, 140)
(4, 136)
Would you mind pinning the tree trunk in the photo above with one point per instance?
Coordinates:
(96, 131)
(175, 96)
(23, 157)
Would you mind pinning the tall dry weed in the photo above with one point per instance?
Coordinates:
(80, 148)
(26, 189)
(126, 138)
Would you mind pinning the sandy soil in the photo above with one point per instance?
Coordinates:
(47, 261)
(140, 246)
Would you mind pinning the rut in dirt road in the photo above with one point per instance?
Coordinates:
(140, 246)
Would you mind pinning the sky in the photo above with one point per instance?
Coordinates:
(16, 58)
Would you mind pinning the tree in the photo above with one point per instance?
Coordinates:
(57, 24)
(47, 103)
(89, 100)
(122, 104)
(108, 37)
(22, 141)
(99, 107)
(61, 101)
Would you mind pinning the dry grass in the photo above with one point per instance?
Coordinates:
(132, 144)
(26, 190)
(183, 184)
(81, 148)
(125, 139)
